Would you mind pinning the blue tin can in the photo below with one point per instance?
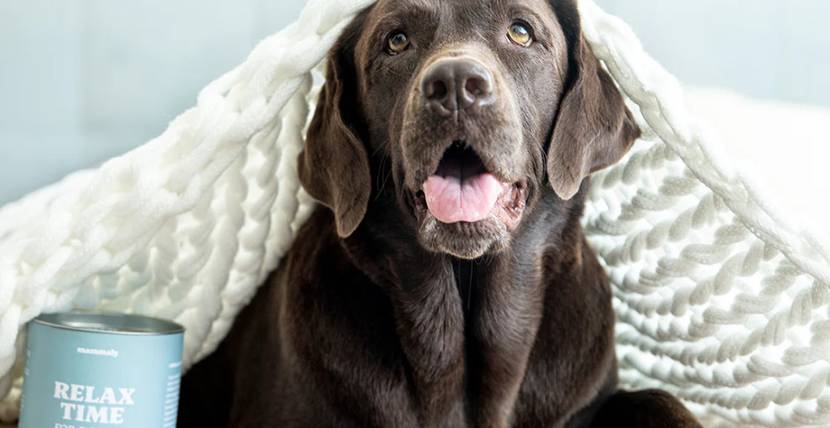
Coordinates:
(101, 370)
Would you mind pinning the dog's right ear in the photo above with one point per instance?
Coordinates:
(334, 166)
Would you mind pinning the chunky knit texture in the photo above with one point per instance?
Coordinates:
(718, 302)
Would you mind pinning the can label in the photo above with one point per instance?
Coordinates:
(82, 403)
(79, 379)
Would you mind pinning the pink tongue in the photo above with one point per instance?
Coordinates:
(451, 201)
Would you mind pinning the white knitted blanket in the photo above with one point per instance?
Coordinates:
(719, 301)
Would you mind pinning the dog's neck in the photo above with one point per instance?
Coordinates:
(467, 326)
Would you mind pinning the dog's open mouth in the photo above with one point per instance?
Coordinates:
(462, 190)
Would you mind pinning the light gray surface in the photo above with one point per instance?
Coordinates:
(768, 49)
(84, 80)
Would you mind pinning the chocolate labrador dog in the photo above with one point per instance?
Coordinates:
(445, 280)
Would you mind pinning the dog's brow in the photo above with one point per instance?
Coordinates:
(410, 8)
(423, 5)
(401, 15)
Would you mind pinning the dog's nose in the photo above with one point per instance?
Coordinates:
(454, 84)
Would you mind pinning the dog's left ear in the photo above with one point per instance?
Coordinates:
(593, 129)
(334, 165)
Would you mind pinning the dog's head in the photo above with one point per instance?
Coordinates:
(475, 108)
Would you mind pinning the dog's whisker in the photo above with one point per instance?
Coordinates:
(470, 286)
(384, 170)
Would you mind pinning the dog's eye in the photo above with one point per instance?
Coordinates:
(520, 34)
(397, 43)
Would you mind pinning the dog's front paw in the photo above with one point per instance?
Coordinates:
(651, 408)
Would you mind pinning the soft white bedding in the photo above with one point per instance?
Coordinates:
(712, 243)
(783, 147)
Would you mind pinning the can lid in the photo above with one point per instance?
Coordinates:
(112, 323)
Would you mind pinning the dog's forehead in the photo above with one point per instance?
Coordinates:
(473, 10)
(437, 4)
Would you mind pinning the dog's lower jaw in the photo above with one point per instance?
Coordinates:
(466, 241)
(469, 241)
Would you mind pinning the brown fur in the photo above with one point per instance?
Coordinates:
(374, 319)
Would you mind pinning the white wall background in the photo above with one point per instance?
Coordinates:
(776, 49)
(83, 80)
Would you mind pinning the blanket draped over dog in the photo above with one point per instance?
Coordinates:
(717, 301)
